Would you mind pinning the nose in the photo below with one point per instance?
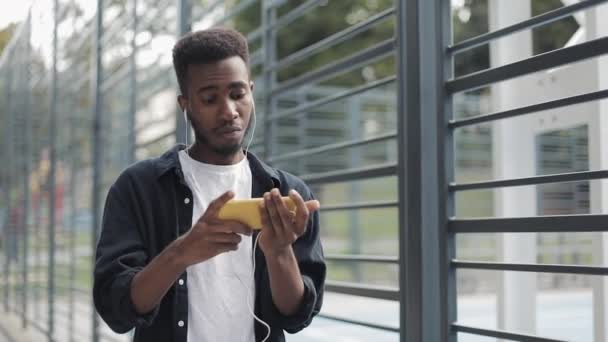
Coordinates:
(228, 110)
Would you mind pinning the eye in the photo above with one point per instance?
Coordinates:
(238, 95)
(209, 99)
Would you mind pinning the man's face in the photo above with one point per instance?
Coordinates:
(219, 104)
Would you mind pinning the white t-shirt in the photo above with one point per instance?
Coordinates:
(217, 298)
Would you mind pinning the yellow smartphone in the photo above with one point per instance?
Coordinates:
(247, 211)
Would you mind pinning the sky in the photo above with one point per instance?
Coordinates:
(13, 11)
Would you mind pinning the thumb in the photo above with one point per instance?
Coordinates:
(312, 205)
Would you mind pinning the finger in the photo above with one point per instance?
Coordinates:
(224, 238)
(273, 215)
(215, 205)
(312, 205)
(283, 214)
(266, 224)
(237, 227)
(230, 226)
(226, 247)
(302, 212)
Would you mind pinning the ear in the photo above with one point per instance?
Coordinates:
(182, 101)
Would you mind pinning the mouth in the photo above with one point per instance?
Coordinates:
(229, 131)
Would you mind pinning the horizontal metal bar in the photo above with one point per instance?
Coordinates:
(333, 147)
(197, 11)
(538, 268)
(552, 59)
(32, 322)
(372, 53)
(501, 334)
(332, 40)
(538, 224)
(360, 323)
(294, 14)
(85, 37)
(388, 169)
(144, 21)
(335, 97)
(256, 58)
(538, 20)
(155, 140)
(120, 75)
(236, 10)
(255, 34)
(76, 86)
(568, 101)
(123, 70)
(118, 23)
(377, 292)
(362, 258)
(157, 121)
(534, 180)
(361, 205)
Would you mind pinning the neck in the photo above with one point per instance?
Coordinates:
(204, 154)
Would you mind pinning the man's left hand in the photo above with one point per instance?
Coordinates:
(281, 227)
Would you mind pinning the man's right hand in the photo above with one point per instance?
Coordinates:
(210, 236)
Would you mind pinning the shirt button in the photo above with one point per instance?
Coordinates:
(180, 323)
(181, 281)
(186, 200)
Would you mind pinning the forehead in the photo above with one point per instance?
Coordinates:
(218, 73)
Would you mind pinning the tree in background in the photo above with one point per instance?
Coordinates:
(5, 35)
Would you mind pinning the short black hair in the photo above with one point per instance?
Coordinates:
(207, 46)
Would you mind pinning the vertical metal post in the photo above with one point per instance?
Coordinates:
(52, 175)
(184, 26)
(422, 180)
(354, 158)
(73, 156)
(133, 87)
(446, 65)
(269, 42)
(27, 126)
(408, 122)
(38, 241)
(97, 147)
(9, 180)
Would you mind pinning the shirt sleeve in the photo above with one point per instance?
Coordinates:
(120, 255)
(309, 253)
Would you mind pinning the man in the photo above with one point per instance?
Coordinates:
(166, 265)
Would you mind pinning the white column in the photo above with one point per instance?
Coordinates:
(596, 27)
(514, 156)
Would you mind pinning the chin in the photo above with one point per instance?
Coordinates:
(227, 150)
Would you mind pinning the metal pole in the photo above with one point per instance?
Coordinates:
(97, 147)
(447, 66)
(423, 195)
(354, 158)
(52, 176)
(73, 153)
(9, 180)
(269, 41)
(184, 26)
(26, 171)
(38, 241)
(408, 121)
(133, 87)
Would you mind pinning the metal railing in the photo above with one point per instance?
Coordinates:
(416, 121)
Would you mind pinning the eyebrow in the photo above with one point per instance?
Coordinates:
(232, 85)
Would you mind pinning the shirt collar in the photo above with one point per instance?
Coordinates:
(264, 173)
